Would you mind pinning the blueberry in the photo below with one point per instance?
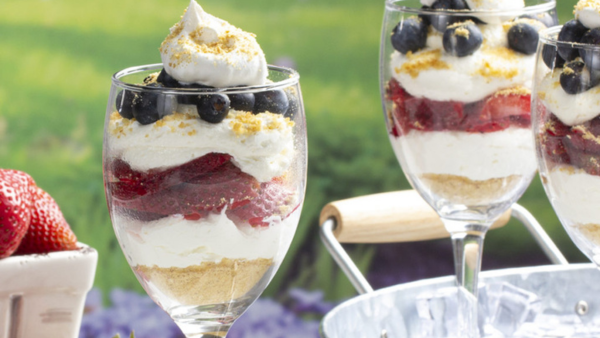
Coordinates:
(591, 57)
(425, 17)
(145, 108)
(441, 21)
(274, 101)
(167, 80)
(572, 31)
(212, 108)
(523, 38)
(409, 35)
(462, 39)
(242, 101)
(575, 77)
(546, 18)
(294, 105)
(124, 103)
(551, 57)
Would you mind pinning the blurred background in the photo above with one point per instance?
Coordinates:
(56, 60)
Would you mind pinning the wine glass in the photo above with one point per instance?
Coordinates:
(567, 129)
(455, 88)
(204, 188)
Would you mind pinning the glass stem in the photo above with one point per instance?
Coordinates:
(468, 249)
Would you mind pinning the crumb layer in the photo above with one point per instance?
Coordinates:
(460, 189)
(207, 283)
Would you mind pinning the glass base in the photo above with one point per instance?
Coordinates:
(208, 321)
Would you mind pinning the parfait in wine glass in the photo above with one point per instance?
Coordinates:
(566, 101)
(455, 82)
(205, 170)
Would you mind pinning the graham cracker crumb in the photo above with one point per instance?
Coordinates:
(463, 190)
(519, 90)
(583, 4)
(422, 61)
(208, 282)
(490, 70)
(246, 123)
(586, 134)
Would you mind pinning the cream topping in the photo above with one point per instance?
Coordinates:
(588, 13)
(570, 109)
(207, 50)
(261, 145)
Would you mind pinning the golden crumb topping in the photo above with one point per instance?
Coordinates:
(583, 4)
(519, 90)
(586, 134)
(120, 126)
(422, 61)
(246, 123)
(240, 123)
(490, 69)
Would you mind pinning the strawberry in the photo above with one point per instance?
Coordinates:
(494, 113)
(274, 199)
(15, 205)
(130, 184)
(48, 231)
(226, 185)
(498, 107)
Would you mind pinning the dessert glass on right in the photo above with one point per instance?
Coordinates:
(567, 132)
(455, 82)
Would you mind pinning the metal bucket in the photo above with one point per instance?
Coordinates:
(566, 296)
(565, 290)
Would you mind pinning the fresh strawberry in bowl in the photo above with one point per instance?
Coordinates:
(45, 273)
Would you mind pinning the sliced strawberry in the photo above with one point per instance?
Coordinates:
(227, 186)
(15, 209)
(48, 231)
(498, 107)
(273, 200)
(130, 184)
(581, 139)
(494, 113)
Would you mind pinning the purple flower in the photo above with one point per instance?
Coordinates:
(266, 318)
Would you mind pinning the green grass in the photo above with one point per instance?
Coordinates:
(56, 61)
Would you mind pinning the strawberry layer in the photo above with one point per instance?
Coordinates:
(494, 113)
(207, 185)
(578, 145)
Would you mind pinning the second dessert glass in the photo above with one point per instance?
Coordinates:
(455, 87)
(567, 133)
(204, 208)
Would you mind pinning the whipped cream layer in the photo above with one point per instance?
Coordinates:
(433, 74)
(568, 108)
(588, 13)
(207, 50)
(261, 145)
(575, 195)
(477, 156)
(176, 242)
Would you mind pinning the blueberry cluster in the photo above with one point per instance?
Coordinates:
(461, 34)
(581, 66)
(148, 107)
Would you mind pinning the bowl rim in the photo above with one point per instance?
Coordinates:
(292, 79)
(546, 6)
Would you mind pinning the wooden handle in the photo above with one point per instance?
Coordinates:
(400, 216)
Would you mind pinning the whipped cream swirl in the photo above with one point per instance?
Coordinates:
(206, 50)
(588, 13)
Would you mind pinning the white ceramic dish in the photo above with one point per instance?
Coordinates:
(44, 295)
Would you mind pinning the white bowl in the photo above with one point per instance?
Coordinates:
(44, 295)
